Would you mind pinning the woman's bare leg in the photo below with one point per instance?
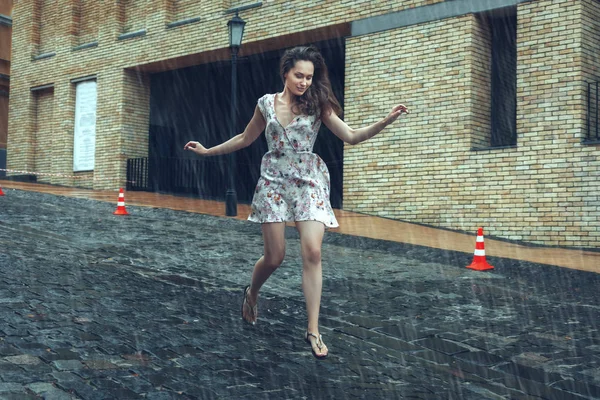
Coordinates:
(274, 252)
(311, 239)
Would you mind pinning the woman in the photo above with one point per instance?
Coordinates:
(294, 181)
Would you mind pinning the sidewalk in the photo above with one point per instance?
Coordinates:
(97, 306)
(351, 224)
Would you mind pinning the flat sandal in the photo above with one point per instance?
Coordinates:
(318, 342)
(253, 309)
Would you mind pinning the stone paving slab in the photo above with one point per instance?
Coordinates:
(95, 306)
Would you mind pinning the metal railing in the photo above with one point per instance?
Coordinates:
(207, 177)
(137, 174)
(197, 177)
(164, 174)
(593, 109)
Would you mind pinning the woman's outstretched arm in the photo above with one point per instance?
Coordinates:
(253, 130)
(355, 136)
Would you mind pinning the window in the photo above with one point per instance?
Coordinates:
(593, 112)
(503, 29)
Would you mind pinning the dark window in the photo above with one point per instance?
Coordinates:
(504, 80)
(593, 111)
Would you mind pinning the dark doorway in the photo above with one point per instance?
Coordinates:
(193, 104)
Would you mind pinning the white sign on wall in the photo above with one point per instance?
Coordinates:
(84, 144)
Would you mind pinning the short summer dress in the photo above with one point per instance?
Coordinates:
(294, 181)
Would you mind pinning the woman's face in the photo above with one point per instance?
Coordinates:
(299, 78)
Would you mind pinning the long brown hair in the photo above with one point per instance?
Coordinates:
(319, 97)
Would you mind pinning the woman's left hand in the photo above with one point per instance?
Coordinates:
(396, 113)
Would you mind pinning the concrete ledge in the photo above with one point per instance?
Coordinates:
(42, 87)
(85, 46)
(182, 22)
(434, 12)
(44, 55)
(5, 20)
(130, 35)
(243, 8)
(512, 146)
(84, 78)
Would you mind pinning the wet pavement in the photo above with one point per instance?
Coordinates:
(96, 306)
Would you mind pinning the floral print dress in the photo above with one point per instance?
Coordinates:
(294, 181)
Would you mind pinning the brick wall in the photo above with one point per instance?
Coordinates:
(63, 136)
(590, 14)
(561, 197)
(133, 14)
(47, 15)
(43, 135)
(479, 61)
(405, 172)
(73, 23)
(110, 155)
(545, 190)
(87, 21)
(136, 112)
(183, 9)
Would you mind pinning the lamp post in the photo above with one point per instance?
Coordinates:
(236, 31)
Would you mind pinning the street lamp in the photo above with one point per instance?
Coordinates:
(236, 32)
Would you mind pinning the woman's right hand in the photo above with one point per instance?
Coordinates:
(196, 147)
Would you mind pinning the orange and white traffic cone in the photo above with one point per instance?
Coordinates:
(479, 263)
(121, 204)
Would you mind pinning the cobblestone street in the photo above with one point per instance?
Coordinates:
(96, 306)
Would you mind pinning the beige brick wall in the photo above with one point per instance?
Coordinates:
(422, 170)
(46, 15)
(479, 61)
(133, 14)
(22, 118)
(73, 24)
(110, 155)
(136, 114)
(87, 20)
(590, 14)
(405, 172)
(43, 137)
(183, 9)
(62, 134)
(551, 115)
